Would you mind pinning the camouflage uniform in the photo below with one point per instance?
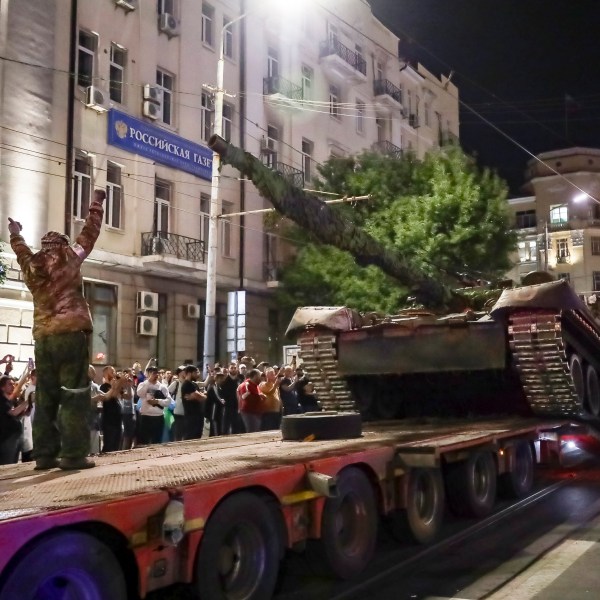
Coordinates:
(61, 325)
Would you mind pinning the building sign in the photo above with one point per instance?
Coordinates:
(161, 146)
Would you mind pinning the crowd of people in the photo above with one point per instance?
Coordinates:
(135, 406)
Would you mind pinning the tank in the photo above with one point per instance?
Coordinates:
(537, 352)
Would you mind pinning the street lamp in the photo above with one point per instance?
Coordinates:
(210, 318)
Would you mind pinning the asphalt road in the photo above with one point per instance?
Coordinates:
(547, 546)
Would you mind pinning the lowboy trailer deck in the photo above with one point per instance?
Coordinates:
(220, 513)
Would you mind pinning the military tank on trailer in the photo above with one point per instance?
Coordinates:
(537, 352)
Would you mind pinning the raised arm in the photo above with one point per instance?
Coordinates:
(91, 229)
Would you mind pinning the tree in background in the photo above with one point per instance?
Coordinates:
(443, 214)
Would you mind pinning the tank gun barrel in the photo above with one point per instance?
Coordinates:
(328, 226)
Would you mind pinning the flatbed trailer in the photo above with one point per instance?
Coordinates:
(220, 513)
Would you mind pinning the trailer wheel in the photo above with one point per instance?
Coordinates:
(67, 564)
(471, 485)
(593, 391)
(348, 527)
(424, 513)
(576, 370)
(518, 482)
(321, 426)
(240, 551)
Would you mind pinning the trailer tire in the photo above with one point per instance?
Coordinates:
(593, 391)
(321, 426)
(240, 550)
(519, 481)
(348, 528)
(425, 504)
(576, 371)
(471, 485)
(66, 563)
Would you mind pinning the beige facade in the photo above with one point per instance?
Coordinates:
(300, 87)
(559, 223)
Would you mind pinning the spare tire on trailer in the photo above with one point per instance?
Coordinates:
(330, 425)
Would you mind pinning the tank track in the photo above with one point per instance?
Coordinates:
(538, 350)
(319, 357)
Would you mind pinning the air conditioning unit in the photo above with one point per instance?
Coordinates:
(193, 311)
(146, 325)
(97, 98)
(167, 23)
(127, 4)
(153, 93)
(151, 110)
(265, 148)
(147, 301)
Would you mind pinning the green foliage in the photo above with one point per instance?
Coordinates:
(443, 214)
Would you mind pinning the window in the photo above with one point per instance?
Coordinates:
(270, 156)
(559, 214)
(227, 121)
(118, 60)
(227, 38)
(595, 246)
(166, 6)
(307, 82)
(307, 152)
(379, 71)
(102, 300)
(114, 194)
(334, 101)
(360, 116)
(525, 219)
(380, 124)
(333, 36)
(82, 184)
(86, 56)
(596, 281)
(226, 230)
(409, 102)
(359, 54)
(207, 115)
(427, 111)
(208, 15)
(165, 81)
(204, 218)
(562, 249)
(272, 63)
(527, 251)
(162, 204)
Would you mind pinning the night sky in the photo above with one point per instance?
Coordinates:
(522, 64)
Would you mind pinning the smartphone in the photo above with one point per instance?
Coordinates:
(30, 364)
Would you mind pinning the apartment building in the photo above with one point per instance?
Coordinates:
(119, 94)
(559, 222)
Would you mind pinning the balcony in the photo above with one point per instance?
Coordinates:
(168, 251)
(272, 273)
(282, 92)
(294, 176)
(387, 95)
(387, 148)
(342, 63)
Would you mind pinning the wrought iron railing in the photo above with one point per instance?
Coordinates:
(334, 46)
(272, 270)
(386, 147)
(280, 85)
(293, 175)
(383, 87)
(180, 246)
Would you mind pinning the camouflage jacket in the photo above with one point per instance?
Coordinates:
(53, 277)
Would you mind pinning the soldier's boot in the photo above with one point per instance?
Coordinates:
(46, 462)
(75, 464)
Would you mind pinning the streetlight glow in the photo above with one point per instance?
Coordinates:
(581, 197)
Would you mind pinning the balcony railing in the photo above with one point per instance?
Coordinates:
(387, 148)
(334, 46)
(180, 246)
(293, 175)
(563, 259)
(383, 87)
(280, 85)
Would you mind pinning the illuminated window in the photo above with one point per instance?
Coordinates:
(559, 214)
(527, 251)
(562, 249)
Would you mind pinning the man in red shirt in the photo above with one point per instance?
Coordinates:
(251, 401)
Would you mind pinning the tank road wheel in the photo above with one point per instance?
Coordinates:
(321, 426)
(519, 481)
(67, 564)
(576, 370)
(471, 485)
(593, 391)
(348, 527)
(240, 551)
(422, 518)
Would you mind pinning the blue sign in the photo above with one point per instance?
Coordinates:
(152, 142)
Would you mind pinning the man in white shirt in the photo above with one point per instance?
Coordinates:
(154, 397)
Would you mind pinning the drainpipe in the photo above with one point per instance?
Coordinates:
(242, 137)
(70, 117)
